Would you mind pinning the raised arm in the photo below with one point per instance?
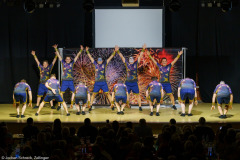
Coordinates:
(120, 54)
(113, 54)
(149, 55)
(89, 55)
(55, 59)
(57, 53)
(35, 57)
(79, 53)
(141, 54)
(178, 56)
(30, 98)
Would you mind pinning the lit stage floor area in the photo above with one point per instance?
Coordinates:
(101, 113)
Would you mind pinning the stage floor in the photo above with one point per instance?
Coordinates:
(102, 113)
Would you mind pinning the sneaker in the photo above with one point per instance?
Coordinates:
(157, 114)
(221, 116)
(182, 114)
(83, 113)
(18, 116)
(224, 116)
(151, 114)
(122, 113)
(68, 114)
(35, 107)
(190, 114)
(22, 116)
(140, 108)
(58, 108)
(90, 108)
(53, 107)
(78, 113)
(36, 114)
(118, 112)
(113, 108)
(174, 107)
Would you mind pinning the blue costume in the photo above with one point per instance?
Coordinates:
(187, 86)
(165, 73)
(20, 92)
(67, 77)
(132, 77)
(154, 89)
(54, 84)
(120, 91)
(81, 93)
(223, 92)
(100, 78)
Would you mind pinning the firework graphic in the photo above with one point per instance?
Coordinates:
(84, 70)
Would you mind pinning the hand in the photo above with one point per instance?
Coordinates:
(30, 104)
(213, 107)
(81, 46)
(54, 91)
(230, 107)
(180, 52)
(33, 53)
(196, 102)
(71, 106)
(55, 46)
(161, 101)
(144, 46)
(116, 48)
(87, 48)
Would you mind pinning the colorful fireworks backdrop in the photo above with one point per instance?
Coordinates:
(84, 70)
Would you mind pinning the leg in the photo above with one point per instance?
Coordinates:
(220, 109)
(40, 107)
(123, 106)
(172, 98)
(225, 109)
(24, 108)
(17, 107)
(190, 108)
(38, 100)
(109, 97)
(65, 107)
(51, 103)
(183, 108)
(158, 106)
(78, 107)
(118, 107)
(84, 107)
(139, 102)
(151, 108)
(92, 98)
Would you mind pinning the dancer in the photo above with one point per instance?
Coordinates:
(100, 76)
(67, 70)
(132, 74)
(45, 71)
(165, 73)
(224, 94)
(187, 89)
(120, 93)
(20, 95)
(155, 91)
(82, 95)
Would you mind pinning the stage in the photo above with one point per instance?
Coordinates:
(100, 114)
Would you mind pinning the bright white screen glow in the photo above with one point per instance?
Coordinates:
(128, 28)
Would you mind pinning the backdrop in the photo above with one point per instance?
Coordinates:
(211, 36)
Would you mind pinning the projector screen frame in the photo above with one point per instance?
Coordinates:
(120, 7)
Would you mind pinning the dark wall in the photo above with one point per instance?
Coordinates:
(210, 35)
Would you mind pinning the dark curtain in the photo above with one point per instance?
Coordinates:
(21, 32)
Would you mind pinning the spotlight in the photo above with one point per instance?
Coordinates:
(226, 5)
(29, 6)
(58, 3)
(88, 5)
(210, 4)
(203, 4)
(174, 5)
(41, 5)
(218, 4)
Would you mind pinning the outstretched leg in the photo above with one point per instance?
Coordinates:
(40, 107)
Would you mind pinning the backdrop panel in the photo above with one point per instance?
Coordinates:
(84, 70)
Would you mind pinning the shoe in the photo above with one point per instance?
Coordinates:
(18, 116)
(90, 108)
(22, 116)
(68, 114)
(182, 114)
(58, 108)
(174, 107)
(140, 108)
(157, 114)
(221, 116)
(224, 116)
(36, 114)
(35, 107)
(190, 114)
(151, 114)
(122, 113)
(53, 107)
(83, 113)
(113, 108)
(78, 113)
(118, 112)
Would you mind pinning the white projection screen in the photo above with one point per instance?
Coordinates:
(128, 27)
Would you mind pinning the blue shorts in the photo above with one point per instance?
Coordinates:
(100, 85)
(157, 97)
(119, 98)
(57, 98)
(132, 86)
(167, 88)
(42, 89)
(187, 93)
(77, 100)
(20, 97)
(221, 100)
(66, 85)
